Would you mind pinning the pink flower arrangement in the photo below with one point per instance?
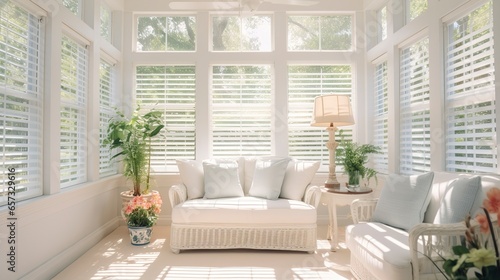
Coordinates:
(473, 254)
(143, 211)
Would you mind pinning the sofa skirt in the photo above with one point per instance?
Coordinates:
(300, 237)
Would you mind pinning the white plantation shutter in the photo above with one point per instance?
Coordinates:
(305, 82)
(241, 100)
(73, 112)
(21, 101)
(171, 89)
(470, 93)
(414, 108)
(381, 118)
(107, 97)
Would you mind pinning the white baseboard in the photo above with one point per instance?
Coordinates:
(55, 265)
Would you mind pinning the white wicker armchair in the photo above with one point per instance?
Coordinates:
(379, 251)
(424, 240)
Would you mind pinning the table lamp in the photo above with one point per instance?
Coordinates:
(332, 111)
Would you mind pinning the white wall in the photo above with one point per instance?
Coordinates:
(52, 231)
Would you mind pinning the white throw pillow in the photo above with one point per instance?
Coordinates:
(221, 178)
(404, 200)
(191, 173)
(268, 177)
(298, 176)
(458, 200)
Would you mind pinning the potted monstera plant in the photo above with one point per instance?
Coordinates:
(131, 137)
(354, 157)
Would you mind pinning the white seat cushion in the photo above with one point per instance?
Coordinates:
(251, 210)
(383, 247)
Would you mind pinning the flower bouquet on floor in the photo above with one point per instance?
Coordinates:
(141, 214)
(475, 259)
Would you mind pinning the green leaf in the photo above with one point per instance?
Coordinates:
(460, 250)
(156, 131)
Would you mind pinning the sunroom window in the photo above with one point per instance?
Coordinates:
(170, 89)
(414, 121)
(21, 102)
(471, 145)
(241, 114)
(107, 100)
(381, 117)
(305, 82)
(74, 71)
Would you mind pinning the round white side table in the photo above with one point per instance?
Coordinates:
(339, 197)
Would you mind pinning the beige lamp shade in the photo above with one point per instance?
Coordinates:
(332, 110)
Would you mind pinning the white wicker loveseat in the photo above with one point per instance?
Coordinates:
(383, 251)
(274, 210)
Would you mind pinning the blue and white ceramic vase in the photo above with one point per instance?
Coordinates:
(140, 235)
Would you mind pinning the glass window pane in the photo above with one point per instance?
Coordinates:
(313, 33)
(336, 32)
(382, 20)
(181, 33)
(415, 8)
(231, 33)
(166, 34)
(303, 33)
(73, 6)
(106, 22)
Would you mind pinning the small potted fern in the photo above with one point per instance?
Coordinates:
(354, 157)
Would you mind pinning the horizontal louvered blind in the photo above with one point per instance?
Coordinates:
(305, 82)
(172, 90)
(21, 102)
(414, 108)
(241, 119)
(107, 97)
(470, 93)
(381, 118)
(73, 112)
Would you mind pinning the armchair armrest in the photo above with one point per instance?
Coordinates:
(432, 241)
(362, 209)
(177, 194)
(312, 195)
